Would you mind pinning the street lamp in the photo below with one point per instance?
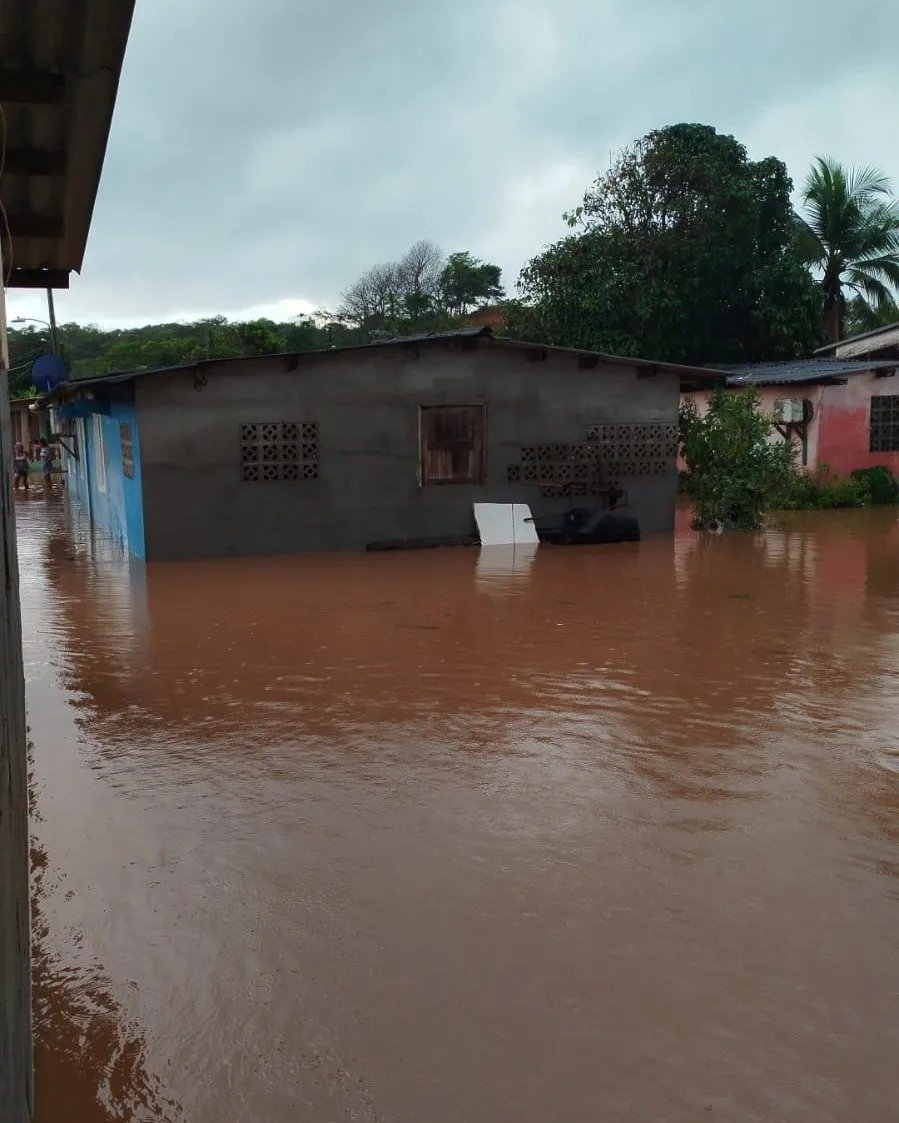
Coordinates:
(51, 325)
(51, 328)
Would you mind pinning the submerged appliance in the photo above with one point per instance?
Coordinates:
(587, 526)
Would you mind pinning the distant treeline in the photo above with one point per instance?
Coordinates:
(423, 291)
(89, 349)
(683, 249)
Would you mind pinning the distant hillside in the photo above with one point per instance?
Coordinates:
(89, 350)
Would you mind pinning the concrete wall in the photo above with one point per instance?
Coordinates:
(840, 430)
(15, 985)
(844, 426)
(118, 507)
(883, 345)
(367, 405)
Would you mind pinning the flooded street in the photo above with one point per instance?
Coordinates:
(608, 833)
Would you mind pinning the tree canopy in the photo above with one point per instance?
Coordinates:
(849, 233)
(466, 282)
(684, 250)
(89, 349)
(423, 291)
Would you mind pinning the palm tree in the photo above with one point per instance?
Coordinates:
(861, 317)
(850, 234)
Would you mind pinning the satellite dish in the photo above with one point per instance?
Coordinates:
(48, 371)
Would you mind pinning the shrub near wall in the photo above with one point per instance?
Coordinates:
(880, 482)
(732, 466)
(822, 490)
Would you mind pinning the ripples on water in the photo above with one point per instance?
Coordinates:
(588, 833)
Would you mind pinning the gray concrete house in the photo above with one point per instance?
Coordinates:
(335, 450)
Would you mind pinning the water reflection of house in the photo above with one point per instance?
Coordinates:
(843, 411)
(393, 440)
(722, 628)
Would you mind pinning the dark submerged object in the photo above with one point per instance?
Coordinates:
(587, 526)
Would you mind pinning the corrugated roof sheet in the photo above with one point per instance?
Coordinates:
(699, 375)
(798, 372)
(61, 61)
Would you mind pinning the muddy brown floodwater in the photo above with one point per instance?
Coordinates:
(602, 834)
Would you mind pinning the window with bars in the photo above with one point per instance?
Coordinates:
(127, 451)
(452, 444)
(279, 450)
(885, 423)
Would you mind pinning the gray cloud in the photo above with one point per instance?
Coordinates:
(269, 153)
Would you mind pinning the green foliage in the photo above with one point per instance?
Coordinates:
(880, 482)
(820, 490)
(849, 234)
(467, 282)
(685, 251)
(89, 349)
(861, 317)
(733, 466)
(423, 291)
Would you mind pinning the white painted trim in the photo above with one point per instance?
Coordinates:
(100, 452)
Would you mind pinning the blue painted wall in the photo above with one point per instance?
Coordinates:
(117, 509)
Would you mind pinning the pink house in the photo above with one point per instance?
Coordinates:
(840, 407)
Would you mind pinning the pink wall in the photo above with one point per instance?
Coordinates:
(839, 432)
(844, 424)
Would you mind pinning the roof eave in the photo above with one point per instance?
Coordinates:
(60, 73)
(822, 380)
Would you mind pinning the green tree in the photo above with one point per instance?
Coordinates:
(861, 317)
(467, 282)
(685, 250)
(733, 467)
(849, 233)
(420, 292)
(90, 350)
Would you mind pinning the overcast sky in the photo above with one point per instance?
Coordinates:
(262, 155)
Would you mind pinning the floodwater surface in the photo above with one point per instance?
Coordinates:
(601, 833)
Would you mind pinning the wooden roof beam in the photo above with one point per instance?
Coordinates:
(32, 87)
(21, 278)
(35, 161)
(28, 224)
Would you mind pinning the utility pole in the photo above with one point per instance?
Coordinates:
(54, 337)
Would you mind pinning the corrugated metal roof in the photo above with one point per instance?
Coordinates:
(58, 82)
(424, 337)
(798, 372)
(698, 375)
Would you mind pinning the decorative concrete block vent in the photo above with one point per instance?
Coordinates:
(610, 453)
(884, 423)
(273, 451)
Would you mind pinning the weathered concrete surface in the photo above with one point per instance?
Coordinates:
(367, 406)
(15, 989)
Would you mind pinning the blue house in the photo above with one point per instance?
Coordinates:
(103, 461)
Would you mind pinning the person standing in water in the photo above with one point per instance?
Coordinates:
(46, 465)
(20, 465)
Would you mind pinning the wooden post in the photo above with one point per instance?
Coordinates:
(16, 1081)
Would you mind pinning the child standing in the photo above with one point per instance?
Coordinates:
(20, 466)
(46, 465)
